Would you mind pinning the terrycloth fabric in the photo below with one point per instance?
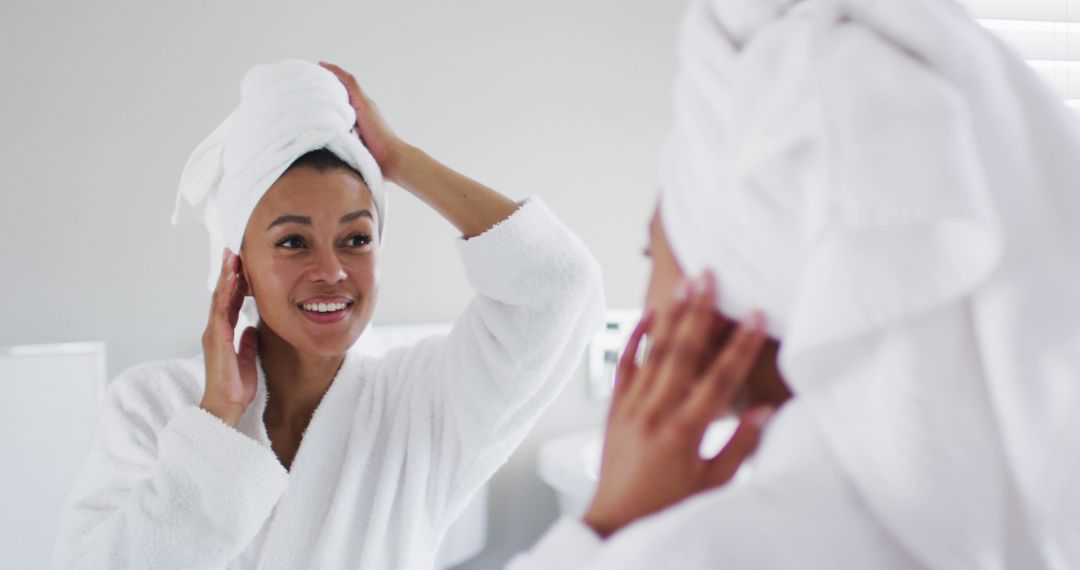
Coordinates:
(395, 450)
(795, 510)
(898, 192)
(286, 110)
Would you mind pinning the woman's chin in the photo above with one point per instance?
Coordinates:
(323, 346)
(331, 342)
(321, 335)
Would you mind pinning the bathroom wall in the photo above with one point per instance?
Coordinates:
(103, 101)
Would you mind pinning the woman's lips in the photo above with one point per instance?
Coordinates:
(323, 319)
(326, 299)
(325, 310)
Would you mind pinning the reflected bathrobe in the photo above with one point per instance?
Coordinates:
(395, 450)
(896, 191)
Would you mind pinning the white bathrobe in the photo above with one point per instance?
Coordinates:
(897, 192)
(395, 450)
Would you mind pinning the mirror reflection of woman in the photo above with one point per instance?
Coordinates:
(865, 240)
(283, 448)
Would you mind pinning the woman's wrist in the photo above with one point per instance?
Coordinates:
(229, 414)
(470, 206)
(396, 164)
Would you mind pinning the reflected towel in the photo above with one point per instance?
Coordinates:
(897, 191)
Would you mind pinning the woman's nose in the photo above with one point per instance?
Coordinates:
(327, 268)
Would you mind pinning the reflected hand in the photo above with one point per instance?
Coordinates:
(231, 377)
(373, 129)
(661, 409)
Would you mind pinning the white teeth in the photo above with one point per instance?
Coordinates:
(324, 307)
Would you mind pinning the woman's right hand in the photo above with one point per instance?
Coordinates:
(662, 407)
(230, 376)
(380, 140)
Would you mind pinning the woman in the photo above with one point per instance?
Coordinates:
(894, 190)
(292, 451)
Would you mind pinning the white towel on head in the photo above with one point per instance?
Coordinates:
(286, 110)
(897, 191)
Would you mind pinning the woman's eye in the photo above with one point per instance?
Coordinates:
(359, 240)
(291, 242)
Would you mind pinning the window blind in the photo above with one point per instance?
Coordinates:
(1046, 33)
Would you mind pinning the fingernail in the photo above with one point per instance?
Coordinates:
(754, 321)
(694, 286)
(682, 289)
(705, 283)
(709, 279)
(761, 416)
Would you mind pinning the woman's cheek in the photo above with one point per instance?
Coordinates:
(275, 280)
(662, 285)
(365, 272)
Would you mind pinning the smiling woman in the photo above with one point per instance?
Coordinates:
(288, 449)
(303, 255)
(312, 272)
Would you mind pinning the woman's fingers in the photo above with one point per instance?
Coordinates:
(230, 377)
(371, 127)
(344, 76)
(357, 99)
(236, 295)
(727, 372)
(249, 344)
(221, 298)
(627, 368)
(660, 342)
(226, 301)
(687, 356)
(742, 445)
(336, 70)
(226, 260)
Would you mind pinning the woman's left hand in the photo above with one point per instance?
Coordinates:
(661, 409)
(472, 207)
(373, 129)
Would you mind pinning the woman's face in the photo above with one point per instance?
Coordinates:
(310, 259)
(666, 271)
(764, 385)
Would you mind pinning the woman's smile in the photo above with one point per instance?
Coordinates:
(311, 248)
(326, 309)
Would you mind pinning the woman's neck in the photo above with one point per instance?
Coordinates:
(295, 381)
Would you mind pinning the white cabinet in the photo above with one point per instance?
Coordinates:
(49, 398)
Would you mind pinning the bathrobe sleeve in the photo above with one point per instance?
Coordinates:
(793, 508)
(539, 299)
(166, 484)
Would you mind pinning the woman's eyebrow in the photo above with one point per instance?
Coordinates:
(305, 220)
(357, 214)
(290, 219)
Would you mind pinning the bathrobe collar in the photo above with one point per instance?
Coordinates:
(312, 479)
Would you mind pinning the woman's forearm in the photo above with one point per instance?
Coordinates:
(470, 206)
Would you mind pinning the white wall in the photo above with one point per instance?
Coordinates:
(103, 101)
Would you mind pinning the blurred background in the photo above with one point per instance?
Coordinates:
(104, 101)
